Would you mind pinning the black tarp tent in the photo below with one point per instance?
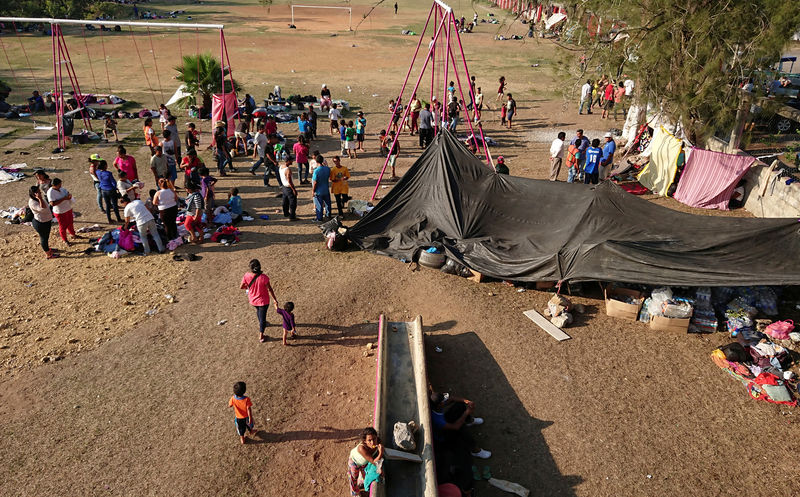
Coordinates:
(532, 230)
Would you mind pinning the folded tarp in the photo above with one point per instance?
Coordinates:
(523, 229)
(709, 178)
(659, 173)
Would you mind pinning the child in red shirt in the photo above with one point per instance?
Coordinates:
(243, 410)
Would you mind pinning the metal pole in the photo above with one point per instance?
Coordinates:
(80, 22)
(59, 131)
(461, 91)
(73, 78)
(480, 126)
(405, 112)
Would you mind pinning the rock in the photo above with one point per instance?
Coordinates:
(221, 322)
(369, 346)
(73, 340)
(404, 435)
(39, 339)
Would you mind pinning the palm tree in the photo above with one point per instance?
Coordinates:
(201, 75)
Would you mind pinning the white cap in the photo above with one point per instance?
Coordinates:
(608, 135)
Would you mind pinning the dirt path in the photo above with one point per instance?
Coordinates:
(137, 406)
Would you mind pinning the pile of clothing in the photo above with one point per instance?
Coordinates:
(10, 175)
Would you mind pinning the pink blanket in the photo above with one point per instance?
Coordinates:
(709, 178)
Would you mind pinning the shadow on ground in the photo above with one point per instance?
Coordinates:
(466, 368)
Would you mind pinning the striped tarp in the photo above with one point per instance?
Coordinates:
(709, 178)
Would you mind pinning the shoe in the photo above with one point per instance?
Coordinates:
(253, 173)
(475, 422)
(481, 454)
(476, 475)
(487, 473)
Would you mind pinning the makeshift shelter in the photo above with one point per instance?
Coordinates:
(224, 107)
(554, 19)
(532, 230)
(179, 94)
(709, 178)
(659, 173)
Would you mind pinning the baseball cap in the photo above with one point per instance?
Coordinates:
(95, 157)
(608, 135)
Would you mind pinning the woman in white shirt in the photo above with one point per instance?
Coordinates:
(167, 202)
(42, 219)
(61, 202)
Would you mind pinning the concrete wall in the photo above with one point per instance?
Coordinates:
(765, 196)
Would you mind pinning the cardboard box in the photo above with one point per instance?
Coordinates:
(662, 323)
(617, 309)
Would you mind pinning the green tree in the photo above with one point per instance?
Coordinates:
(201, 76)
(688, 56)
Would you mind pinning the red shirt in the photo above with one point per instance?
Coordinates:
(270, 127)
(609, 91)
(258, 292)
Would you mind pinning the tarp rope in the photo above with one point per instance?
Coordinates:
(155, 63)
(89, 56)
(105, 61)
(30, 68)
(144, 71)
(13, 74)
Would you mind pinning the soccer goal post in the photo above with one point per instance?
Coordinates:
(348, 9)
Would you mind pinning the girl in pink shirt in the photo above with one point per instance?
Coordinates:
(256, 283)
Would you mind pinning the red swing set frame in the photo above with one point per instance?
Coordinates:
(61, 59)
(445, 34)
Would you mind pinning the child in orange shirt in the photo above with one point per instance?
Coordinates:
(243, 410)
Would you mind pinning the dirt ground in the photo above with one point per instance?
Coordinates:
(130, 404)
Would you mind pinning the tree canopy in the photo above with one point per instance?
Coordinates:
(688, 56)
(202, 75)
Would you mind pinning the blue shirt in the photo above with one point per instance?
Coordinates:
(107, 181)
(235, 204)
(608, 152)
(438, 422)
(302, 125)
(592, 160)
(342, 130)
(322, 176)
(582, 145)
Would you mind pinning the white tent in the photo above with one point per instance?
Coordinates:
(179, 94)
(554, 19)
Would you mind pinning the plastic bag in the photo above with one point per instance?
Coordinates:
(679, 310)
(658, 298)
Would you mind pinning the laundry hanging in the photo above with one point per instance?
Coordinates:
(224, 105)
(709, 178)
(659, 173)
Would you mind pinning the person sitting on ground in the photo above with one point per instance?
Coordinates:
(501, 167)
(368, 452)
(325, 99)
(145, 223)
(450, 416)
(235, 206)
(36, 102)
(110, 128)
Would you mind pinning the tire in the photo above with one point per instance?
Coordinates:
(784, 125)
(434, 261)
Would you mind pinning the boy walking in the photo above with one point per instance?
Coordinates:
(242, 410)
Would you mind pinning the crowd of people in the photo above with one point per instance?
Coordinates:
(607, 95)
(588, 161)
